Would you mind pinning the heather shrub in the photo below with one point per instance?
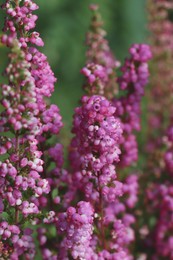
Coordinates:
(96, 202)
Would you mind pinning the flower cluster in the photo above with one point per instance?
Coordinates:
(101, 63)
(22, 16)
(27, 117)
(77, 225)
(97, 136)
(133, 80)
(95, 149)
(23, 243)
(20, 172)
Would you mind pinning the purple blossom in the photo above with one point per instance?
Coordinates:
(27, 117)
(97, 137)
(134, 79)
(77, 223)
(100, 63)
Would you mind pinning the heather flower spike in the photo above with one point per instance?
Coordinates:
(96, 147)
(100, 61)
(134, 78)
(94, 154)
(27, 117)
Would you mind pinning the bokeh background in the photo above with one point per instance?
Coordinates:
(63, 25)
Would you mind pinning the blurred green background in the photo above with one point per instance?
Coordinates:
(63, 25)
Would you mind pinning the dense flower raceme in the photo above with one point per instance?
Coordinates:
(20, 171)
(94, 153)
(28, 117)
(87, 155)
(77, 223)
(100, 61)
(134, 78)
(19, 24)
(21, 19)
(24, 244)
(97, 134)
(101, 79)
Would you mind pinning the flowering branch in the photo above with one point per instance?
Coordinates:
(26, 117)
